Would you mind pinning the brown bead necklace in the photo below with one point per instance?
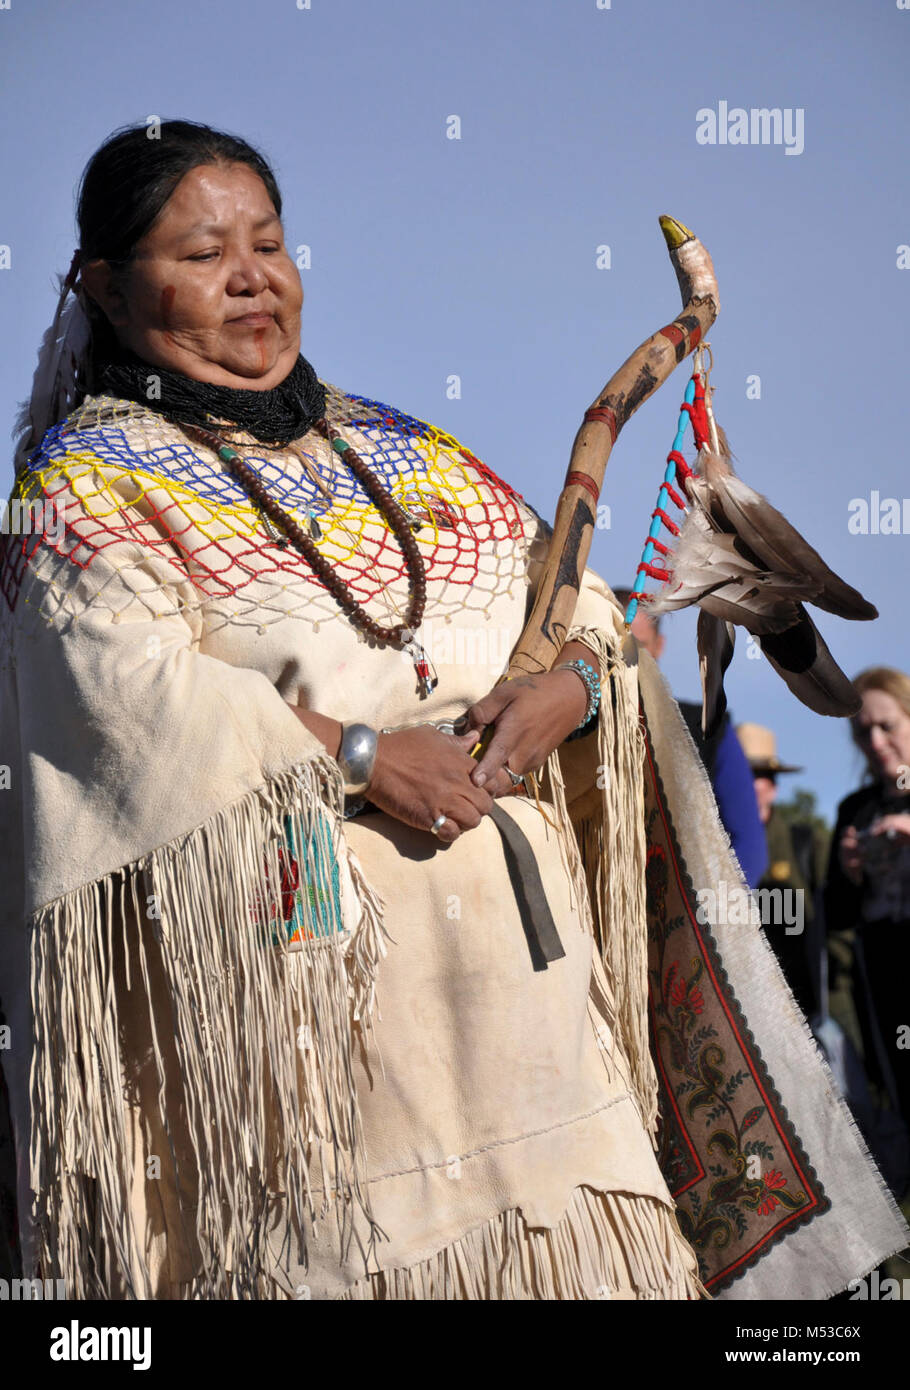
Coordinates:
(401, 635)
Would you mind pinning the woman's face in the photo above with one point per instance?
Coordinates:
(211, 291)
(882, 732)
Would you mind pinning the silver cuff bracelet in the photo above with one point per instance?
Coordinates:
(356, 757)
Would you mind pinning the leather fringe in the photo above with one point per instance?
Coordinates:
(174, 1029)
(608, 1245)
(612, 853)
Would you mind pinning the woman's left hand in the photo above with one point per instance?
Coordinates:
(896, 827)
(532, 716)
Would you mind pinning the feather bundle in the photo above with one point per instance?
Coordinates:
(741, 562)
(61, 358)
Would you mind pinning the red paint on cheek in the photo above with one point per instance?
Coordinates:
(168, 295)
(260, 347)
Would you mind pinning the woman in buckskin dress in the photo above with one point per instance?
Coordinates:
(323, 952)
(306, 1000)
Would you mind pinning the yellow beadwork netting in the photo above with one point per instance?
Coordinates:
(116, 492)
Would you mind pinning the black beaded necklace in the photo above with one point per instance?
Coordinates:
(401, 635)
(278, 415)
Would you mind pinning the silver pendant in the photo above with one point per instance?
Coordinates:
(277, 537)
(427, 510)
(427, 678)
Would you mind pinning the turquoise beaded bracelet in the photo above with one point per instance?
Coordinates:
(592, 685)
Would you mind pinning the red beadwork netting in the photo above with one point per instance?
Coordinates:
(117, 481)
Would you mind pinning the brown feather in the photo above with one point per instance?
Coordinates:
(715, 652)
(801, 656)
(740, 561)
(770, 537)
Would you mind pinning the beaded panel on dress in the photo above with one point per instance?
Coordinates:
(115, 491)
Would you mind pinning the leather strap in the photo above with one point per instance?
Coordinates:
(536, 918)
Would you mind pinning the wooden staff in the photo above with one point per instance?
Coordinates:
(649, 366)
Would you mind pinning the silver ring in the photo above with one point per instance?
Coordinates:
(514, 777)
(437, 825)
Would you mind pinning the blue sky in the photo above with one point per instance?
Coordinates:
(477, 257)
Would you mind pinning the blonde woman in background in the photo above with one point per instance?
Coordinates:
(867, 904)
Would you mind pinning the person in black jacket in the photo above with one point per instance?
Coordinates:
(867, 906)
(796, 866)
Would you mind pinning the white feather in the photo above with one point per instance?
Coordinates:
(62, 354)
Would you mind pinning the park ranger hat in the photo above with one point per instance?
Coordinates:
(760, 748)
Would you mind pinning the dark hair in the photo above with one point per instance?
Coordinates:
(126, 185)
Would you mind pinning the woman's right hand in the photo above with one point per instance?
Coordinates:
(420, 774)
(850, 855)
